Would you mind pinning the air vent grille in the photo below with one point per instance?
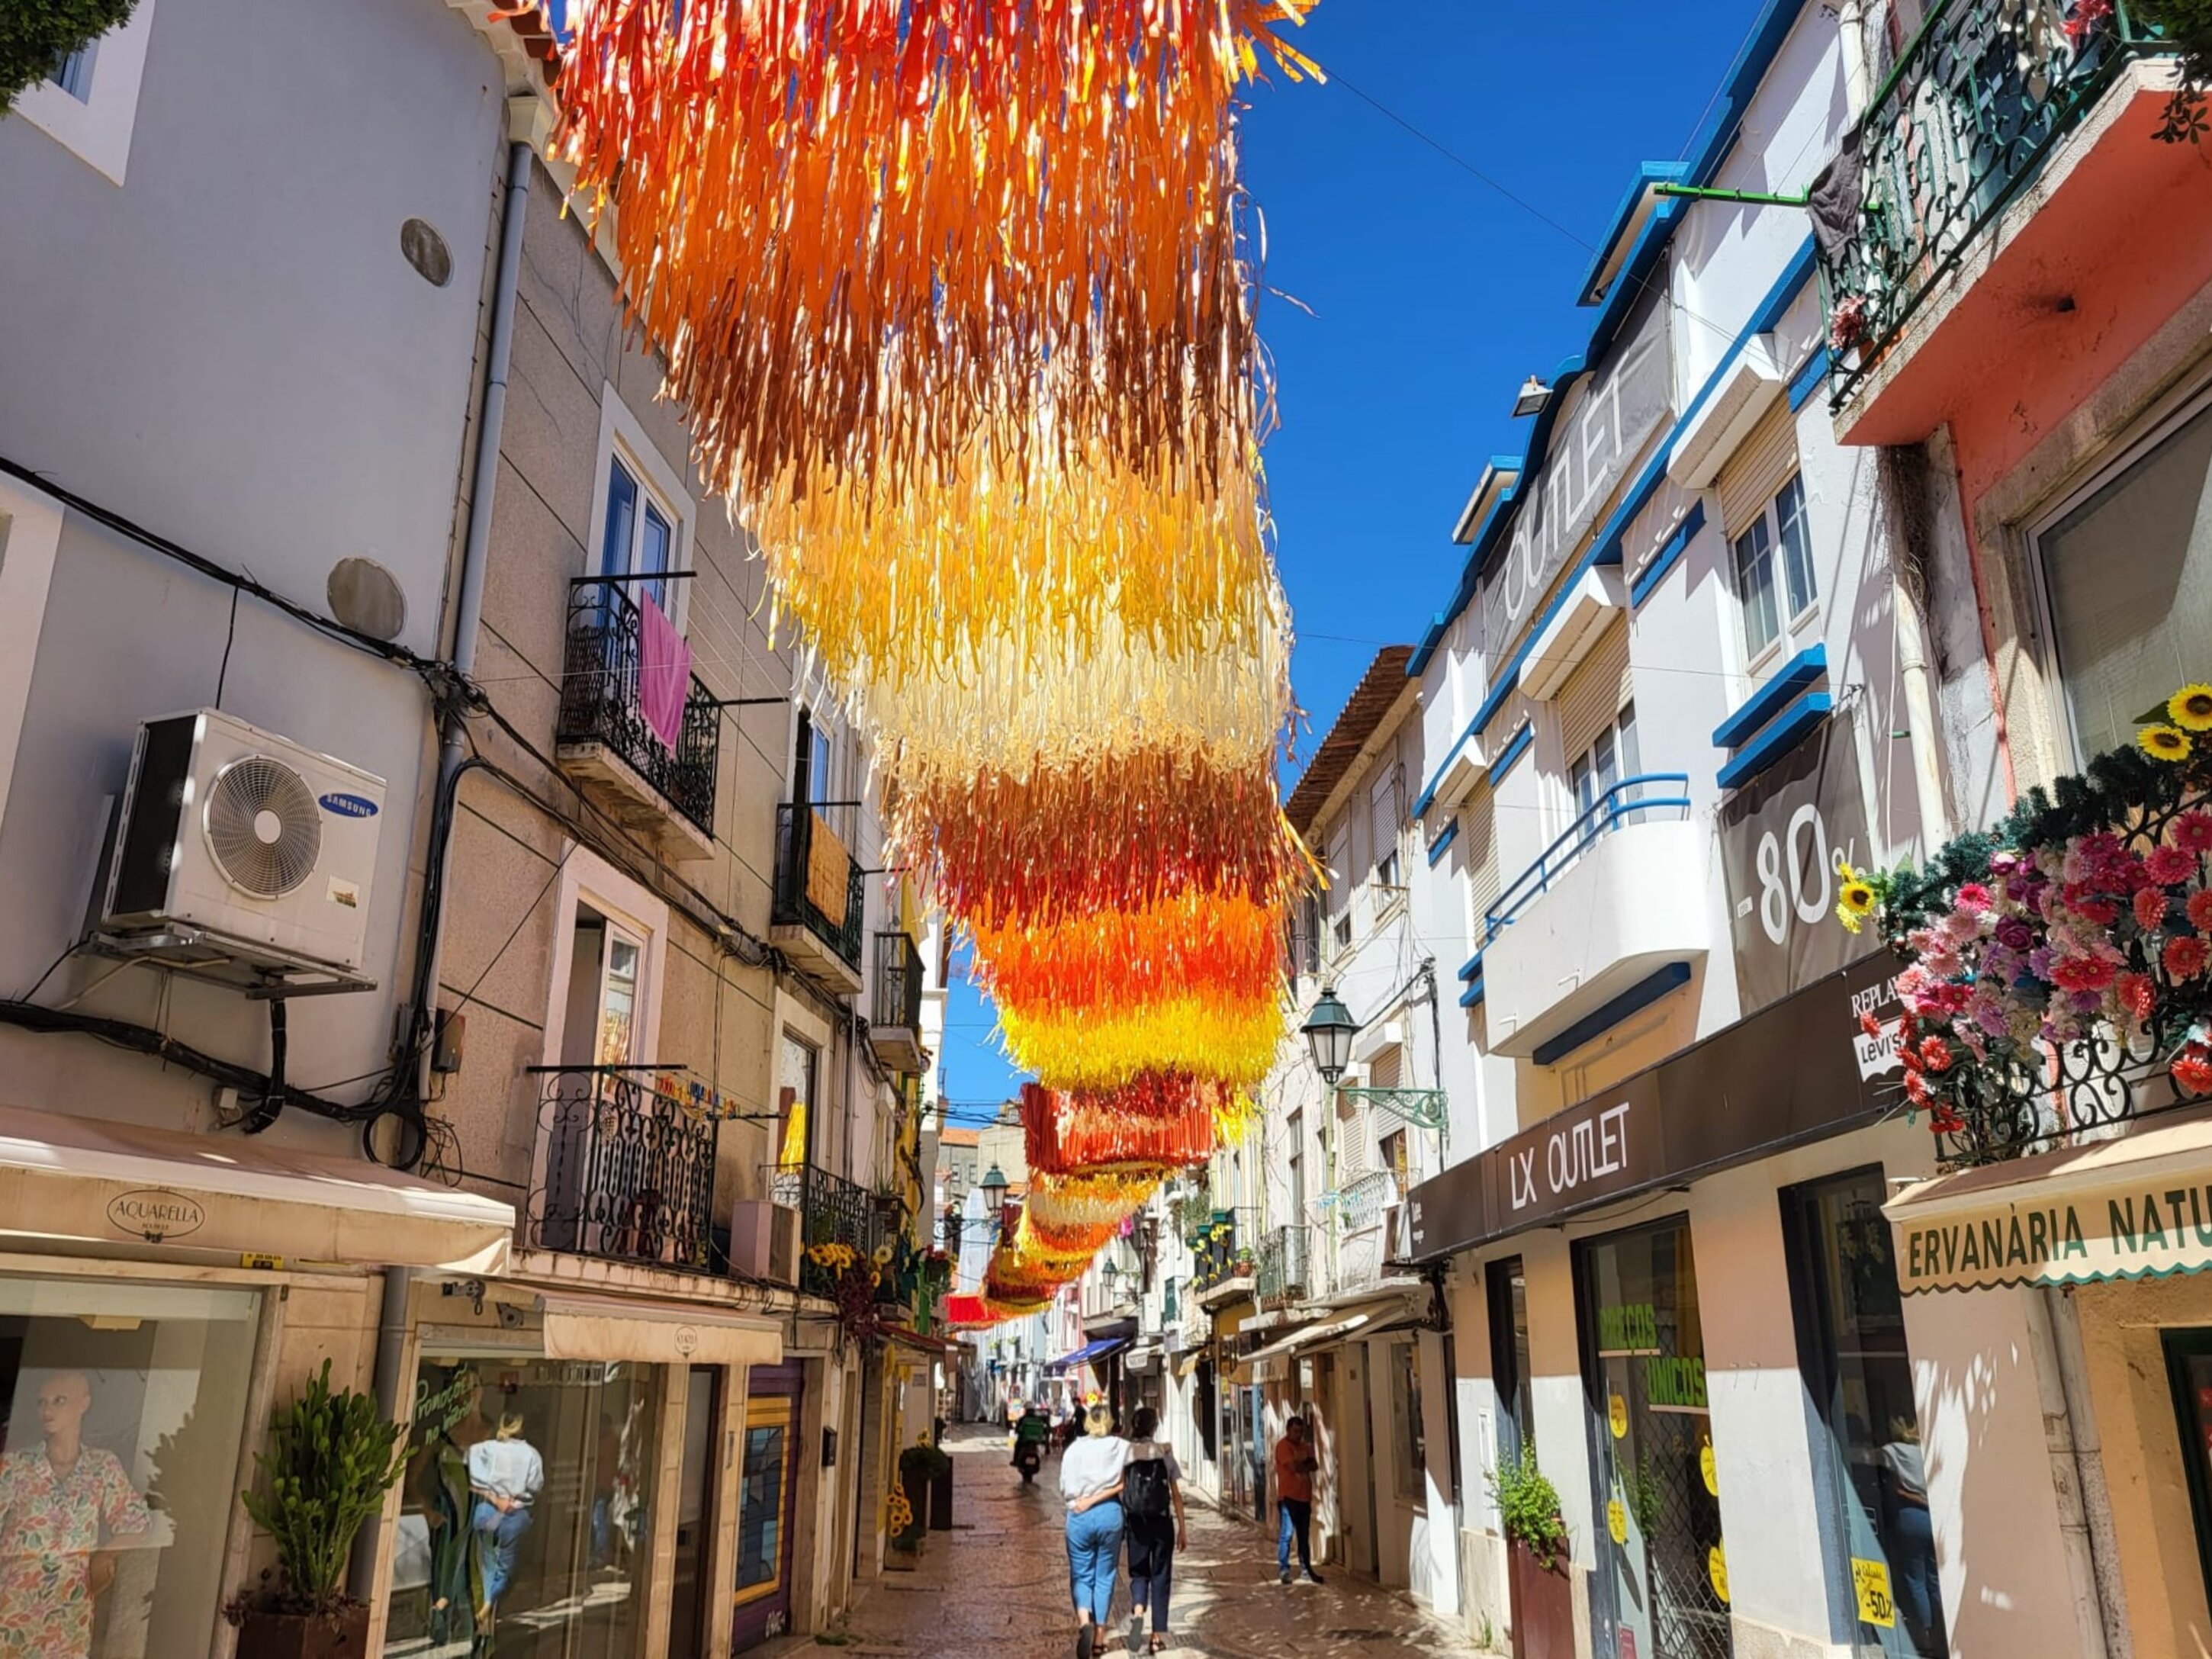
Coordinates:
(263, 826)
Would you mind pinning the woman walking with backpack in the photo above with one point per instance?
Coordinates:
(1091, 1476)
(1152, 1503)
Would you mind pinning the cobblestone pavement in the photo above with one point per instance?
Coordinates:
(996, 1588)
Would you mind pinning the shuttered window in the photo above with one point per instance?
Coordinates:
(1383, 825)
(1480, 828)
(1339, 863)
(1754, 475)
(1351, 1160)
(1595, 692)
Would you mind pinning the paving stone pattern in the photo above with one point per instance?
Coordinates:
(996, 1588)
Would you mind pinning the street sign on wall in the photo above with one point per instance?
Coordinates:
(1782, 836)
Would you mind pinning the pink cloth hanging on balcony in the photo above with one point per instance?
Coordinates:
(664, 674)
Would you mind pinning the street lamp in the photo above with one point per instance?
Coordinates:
(1328, 1030)
(994, 1190)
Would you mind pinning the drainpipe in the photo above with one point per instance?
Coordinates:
(1850, 26)
(1918, 683)
(468, 611)
(391, 1326)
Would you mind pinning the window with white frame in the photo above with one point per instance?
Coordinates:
(1383, 815)
(1611, 756)
(2127, 575)
(90, 105)
(607, 968)
(1774, 580)
(641, 515)
(1339, 873)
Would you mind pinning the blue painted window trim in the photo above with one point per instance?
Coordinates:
(1668, 555)
(1787, 681)
(1442, 843)
(1606, 549)
(1809, 380)
(1473, 994)
(1600, 1020)
(1471, 968)
(1515, 746)
(1777, 739)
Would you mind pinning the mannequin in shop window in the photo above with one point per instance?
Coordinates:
(60, 1500)
(506, 1475)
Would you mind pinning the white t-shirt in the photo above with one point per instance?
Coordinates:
(1093, 1464)
(1143, 1451)
(507, 1468)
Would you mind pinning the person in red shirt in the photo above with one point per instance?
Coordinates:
(1295, 1464)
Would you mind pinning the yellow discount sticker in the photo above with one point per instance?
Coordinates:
(1717, 1570)
(1616, 1414)
(1616, 1519)
(1707, 1468)
(1870, 1580)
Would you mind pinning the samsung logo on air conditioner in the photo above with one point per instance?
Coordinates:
(348, 806)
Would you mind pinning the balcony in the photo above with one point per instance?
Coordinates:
(1370, 1219)
(1613, 910)
(821, 898)
(1994, 178)
(1224, 1266)
(895, 1028)
(602, 737)
(624, 1169)
(831, 1210)
(1283, 1277)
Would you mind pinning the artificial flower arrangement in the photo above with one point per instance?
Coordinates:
(2079, 927)
(851, 1284)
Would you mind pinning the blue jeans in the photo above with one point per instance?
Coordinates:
(497, 1535)
(1094, 1552)
(1297, 1520)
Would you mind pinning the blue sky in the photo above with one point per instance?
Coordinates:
(1432, 294)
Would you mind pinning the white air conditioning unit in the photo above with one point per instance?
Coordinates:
(764, 1240)
(257, 846)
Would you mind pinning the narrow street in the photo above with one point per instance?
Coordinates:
(996, 1587)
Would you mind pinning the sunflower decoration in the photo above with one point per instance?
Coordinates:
(2164, 743)
(2190, 707)
(1855, 898)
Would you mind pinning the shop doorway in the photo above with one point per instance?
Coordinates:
(694, 1518)
(2189, 1368)
(768, 1499)
(1660, 1589)
(1851, 1353)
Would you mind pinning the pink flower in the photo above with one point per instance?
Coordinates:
(2101, 913)
(2184, 957)
(2192, 832)
(1935, 1054)
(2200, 909)
(2138, 994)
(1911, 982)
(2169, 866)
(1974, 897)
(2150, 908)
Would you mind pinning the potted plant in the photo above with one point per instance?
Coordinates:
(1536, 1538)
(331, 1459)
(921, 1467)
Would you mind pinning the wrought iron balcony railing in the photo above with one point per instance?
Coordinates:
(809, 856)
(1223, 1250)
(625, 1169)
(1283, 1260)
(1979, 95)
(599, 701)
(898, 981)
(831, 1210)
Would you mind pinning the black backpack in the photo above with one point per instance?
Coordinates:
(1145, 1488)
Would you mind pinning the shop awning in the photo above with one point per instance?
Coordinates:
(1089, 1352)
(1188, 1363)
(919, 1340)
(1144, 1357)
(1353, 1322)
(96, 1182)
(2136, 1207)
(580, 1327)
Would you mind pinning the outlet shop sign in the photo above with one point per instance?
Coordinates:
(1800, 1070)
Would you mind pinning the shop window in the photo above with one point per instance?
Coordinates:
(1661, 1585)
(1851, 1353)
(2127, 571)
(2189, 1372)
(118, 1458)
(523, 1530)
(1507, 1285)
(1412, 1459)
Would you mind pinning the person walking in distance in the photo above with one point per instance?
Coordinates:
(1151, 1501)
(1091, 1476)
(1295, 1464)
